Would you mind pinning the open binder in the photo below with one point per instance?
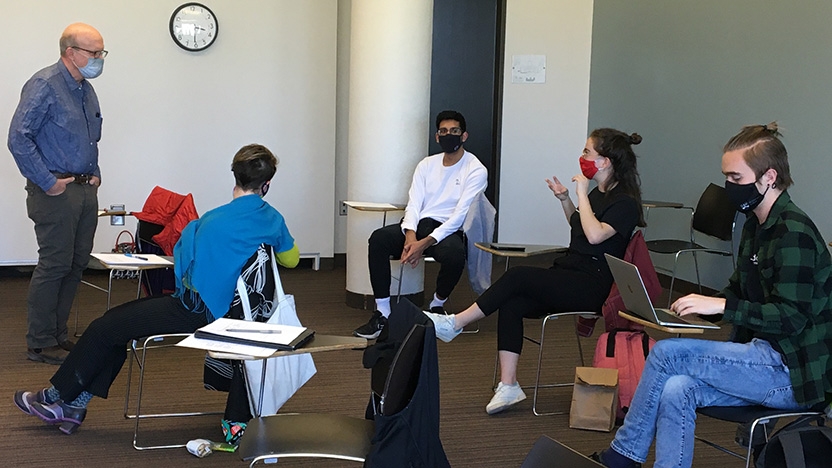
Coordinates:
(280, 337)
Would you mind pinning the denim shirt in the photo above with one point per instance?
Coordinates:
(56, 127)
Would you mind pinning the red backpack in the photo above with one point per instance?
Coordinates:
(625, 350)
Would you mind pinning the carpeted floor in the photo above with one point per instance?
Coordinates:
(471, 438)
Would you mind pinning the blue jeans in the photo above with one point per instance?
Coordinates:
(683, 374)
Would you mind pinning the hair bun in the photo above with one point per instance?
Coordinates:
(771, 127)
(635, 139)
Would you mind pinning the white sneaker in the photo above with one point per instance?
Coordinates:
(505, 396)
(444, 326)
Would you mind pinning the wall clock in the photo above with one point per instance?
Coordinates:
(193, 26)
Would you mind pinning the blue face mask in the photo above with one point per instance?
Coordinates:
(92, 69)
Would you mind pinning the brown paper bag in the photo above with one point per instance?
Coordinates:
(594, 399)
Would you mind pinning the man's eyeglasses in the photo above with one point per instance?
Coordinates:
(95, 54)
(452, 131)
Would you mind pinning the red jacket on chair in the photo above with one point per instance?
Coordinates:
(171, 210)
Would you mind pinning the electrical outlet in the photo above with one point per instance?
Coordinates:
(117, 220)
(343, 211)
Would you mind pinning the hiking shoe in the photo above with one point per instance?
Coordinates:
(66, 345)
(505, 396)
(371, 329)
(444, 326)
(24, 399)
(68, 417)
(54, 355)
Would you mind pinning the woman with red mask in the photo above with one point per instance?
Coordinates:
(602, 222)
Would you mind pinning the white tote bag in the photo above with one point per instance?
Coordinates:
(284, 374)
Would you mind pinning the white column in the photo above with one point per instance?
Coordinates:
(389, 121)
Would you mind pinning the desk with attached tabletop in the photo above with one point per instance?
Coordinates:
(660, 204)
(647, 204)
(120, 262)
(318, 343)
(655, 326)
(528, 250)
(378, 207)
(360, 225)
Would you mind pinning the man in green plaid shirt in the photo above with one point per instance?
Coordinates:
(779, 301)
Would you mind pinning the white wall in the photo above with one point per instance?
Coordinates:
(175, 118)
(544, 125)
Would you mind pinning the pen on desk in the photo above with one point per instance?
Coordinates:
(128, 254)
(249, 330)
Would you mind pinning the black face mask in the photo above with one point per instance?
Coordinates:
(450, 143)
(745, 197)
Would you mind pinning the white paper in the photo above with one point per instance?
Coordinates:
(372, 205)
(528, 69)
(117, 259)
(255, 331)
(228, 348)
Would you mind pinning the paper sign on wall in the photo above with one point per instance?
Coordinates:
(528, 69)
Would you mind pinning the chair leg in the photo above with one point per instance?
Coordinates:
(132, 355)
(400, 278)
(141, 363)
(672, 280)
(696, 267)
(537, 385)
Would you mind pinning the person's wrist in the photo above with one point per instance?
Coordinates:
(564, 196)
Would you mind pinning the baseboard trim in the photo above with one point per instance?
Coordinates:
(368, 302)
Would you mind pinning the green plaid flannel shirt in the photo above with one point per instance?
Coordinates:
(795, 273)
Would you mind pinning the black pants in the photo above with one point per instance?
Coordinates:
(388, 242)
(100, 353)
(573, 283)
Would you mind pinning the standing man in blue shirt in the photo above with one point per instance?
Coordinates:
(54, 140)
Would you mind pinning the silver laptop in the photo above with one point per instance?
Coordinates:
(631, 286)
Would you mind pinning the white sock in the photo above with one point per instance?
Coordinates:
(436, 302)
(383, 306)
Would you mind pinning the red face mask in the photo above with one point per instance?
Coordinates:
(588, 168)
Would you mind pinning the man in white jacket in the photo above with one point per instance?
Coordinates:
(443, 187)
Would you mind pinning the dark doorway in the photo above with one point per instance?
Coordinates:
(466, 75)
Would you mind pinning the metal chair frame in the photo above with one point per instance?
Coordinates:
(537, 385)
(712, 203)
(139, 352)
(317, 435)
(758, 417)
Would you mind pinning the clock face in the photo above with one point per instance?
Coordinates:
(193, 26)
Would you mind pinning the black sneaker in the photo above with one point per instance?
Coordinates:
(438, 310)
(371, 329)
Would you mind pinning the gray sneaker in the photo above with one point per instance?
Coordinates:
(444, 326)
(505, 396)
(54, 355)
